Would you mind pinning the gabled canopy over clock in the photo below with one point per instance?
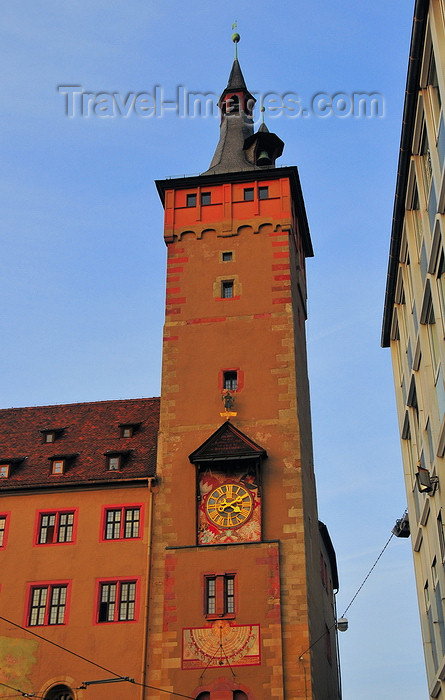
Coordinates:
(228, 471)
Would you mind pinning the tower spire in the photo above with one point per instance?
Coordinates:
(239, 148)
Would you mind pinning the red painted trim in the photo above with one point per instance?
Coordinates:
(173, 278)
(171, 337)
(265, 315)
(177, 260)
(176, 300)
(171, 312)
(173, 290)
(118, 580)
(278, 233)
(281, 244)
(278, 278)
(122, 507)
(283, 300)
(175, 269)
(281, 254)
(281, 266)
(47, 584)
(215, 319)
(7, 515)
(281, 288)
(57, 513)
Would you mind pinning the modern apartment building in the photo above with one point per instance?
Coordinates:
(414, 321)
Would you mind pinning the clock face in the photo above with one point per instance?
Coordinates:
(229, 505)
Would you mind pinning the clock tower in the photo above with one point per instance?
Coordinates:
(243, 574)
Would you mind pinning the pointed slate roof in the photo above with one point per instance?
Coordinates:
(227, 443)
(236, 79)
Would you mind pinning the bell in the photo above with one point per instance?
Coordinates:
(264, 159)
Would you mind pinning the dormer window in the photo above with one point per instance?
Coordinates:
(116, 459)
(50, 435)
(114, 462)
(127, 430)
(60, 463)
(58, 466)
(4, 471)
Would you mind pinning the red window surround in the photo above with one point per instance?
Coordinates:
(121, 522)
(240, 378)
(55, 527)
(47, 603)
(117, 600)
(4, 527)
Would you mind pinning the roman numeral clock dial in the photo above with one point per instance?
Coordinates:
(229, 505)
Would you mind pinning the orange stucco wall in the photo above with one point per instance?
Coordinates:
(34, 664)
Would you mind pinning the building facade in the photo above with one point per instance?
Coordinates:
(175, 542)
(243, 574)
(75, 519)
(414, 321)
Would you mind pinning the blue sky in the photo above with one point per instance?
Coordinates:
(82, 256)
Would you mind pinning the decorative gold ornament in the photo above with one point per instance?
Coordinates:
(229, 505)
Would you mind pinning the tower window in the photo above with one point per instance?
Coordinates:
(248, 194)
(227, 289)
(230, 380)
(263, 193)
(206, 198)
(220, 596)
(191, 200)
(227, 256)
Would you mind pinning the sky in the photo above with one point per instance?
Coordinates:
(82, 256)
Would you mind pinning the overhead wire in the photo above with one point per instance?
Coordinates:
(150, 687)
(328, 629)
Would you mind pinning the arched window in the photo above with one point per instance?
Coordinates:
(59, 692)
(239, 695)
(203, 696)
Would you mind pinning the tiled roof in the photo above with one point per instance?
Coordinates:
(86, 432)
